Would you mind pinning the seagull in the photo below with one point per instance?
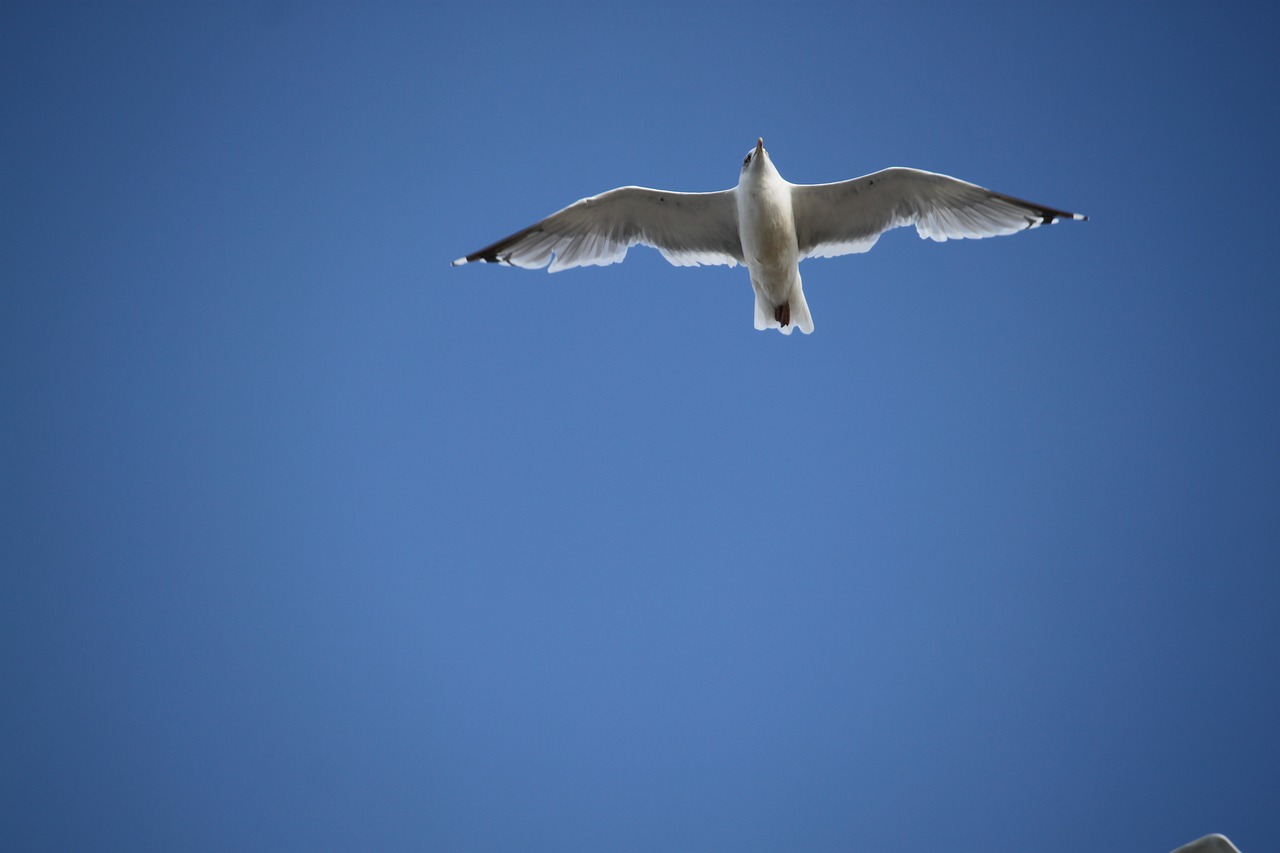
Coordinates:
(768, 224)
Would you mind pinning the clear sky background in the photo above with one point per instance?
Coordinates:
(312, 542)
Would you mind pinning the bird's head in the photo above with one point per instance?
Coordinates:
(755, 156)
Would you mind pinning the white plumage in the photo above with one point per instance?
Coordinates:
(768, 224)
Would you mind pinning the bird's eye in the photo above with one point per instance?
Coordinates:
(746, 160)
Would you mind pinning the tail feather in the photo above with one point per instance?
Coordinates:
(800, 317)
(767, 316)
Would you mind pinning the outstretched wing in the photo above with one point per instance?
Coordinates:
(689, 229)
(849, 216)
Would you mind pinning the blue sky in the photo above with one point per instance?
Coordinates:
(314, 542)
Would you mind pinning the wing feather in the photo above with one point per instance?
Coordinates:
(689, 229)
(849, 216)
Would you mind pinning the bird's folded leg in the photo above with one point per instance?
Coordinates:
(783, 314)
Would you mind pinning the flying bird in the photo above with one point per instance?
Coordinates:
(767, 224)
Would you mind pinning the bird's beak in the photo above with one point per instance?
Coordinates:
(759, 144)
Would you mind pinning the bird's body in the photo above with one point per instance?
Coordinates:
(767, 231)
(767, 224)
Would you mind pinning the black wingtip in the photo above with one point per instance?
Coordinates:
(1042, 215)
(481, 257)
(496, 253)
(1048, 216)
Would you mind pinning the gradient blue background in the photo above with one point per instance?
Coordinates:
(312, 542)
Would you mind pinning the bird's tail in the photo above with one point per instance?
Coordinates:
(800, 312)
(795, 314)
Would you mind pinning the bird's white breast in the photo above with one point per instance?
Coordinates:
(767, 229)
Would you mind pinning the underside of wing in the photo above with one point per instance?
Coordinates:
(849, 216)
(689, 229)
